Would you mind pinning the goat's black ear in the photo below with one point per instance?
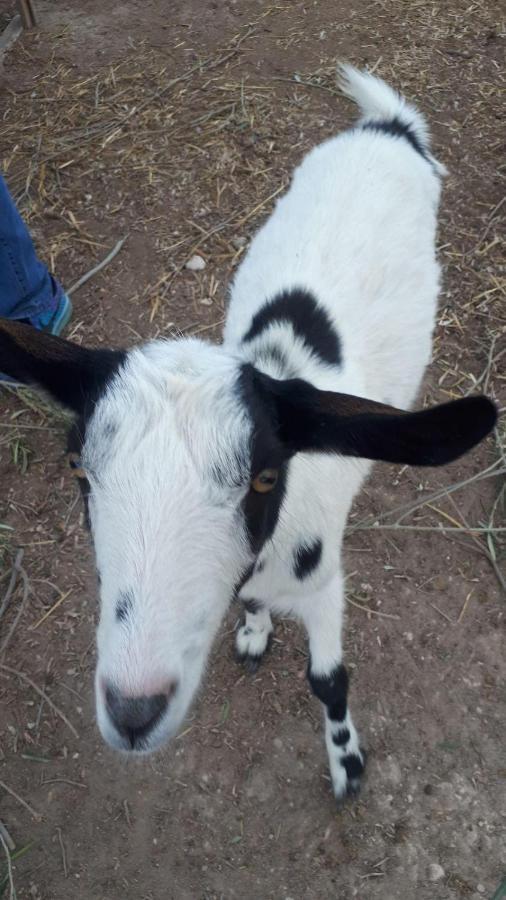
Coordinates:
(310, 420)
(73, 375)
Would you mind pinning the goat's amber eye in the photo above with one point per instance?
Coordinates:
(265, 481)
(75, 465)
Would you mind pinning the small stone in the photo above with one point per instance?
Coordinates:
(480, 888)
(436, 872)
(278, 743)
(238, 242)
(206, 301)
(195, 264)
(440, 583)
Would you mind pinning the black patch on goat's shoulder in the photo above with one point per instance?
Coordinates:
(341, 738)
(306, 558)
(124, 606)
(396, 128)
(332, 691)
(268, 354)
(309, 321)
(261, 511)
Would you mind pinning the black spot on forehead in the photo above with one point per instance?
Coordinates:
(124, 605)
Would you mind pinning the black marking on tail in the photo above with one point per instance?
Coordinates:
(396, 128)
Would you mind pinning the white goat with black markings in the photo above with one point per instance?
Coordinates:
(214, 470)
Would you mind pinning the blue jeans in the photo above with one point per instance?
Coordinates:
(27, 289)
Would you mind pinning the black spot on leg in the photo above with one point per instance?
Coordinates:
(124, 606)
(253, 606)
(306, 558)
(341, 738)
(332, 690)
(353, 765)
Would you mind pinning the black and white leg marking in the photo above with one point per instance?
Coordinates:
(329, 682)
(252, 638)
(346, 759)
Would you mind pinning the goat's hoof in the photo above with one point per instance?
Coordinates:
(251, 647)
(347, 775)
(250, 664)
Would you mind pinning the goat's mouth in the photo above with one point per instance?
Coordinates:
(137, 724)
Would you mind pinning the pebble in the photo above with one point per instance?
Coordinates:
(436, 872)
(195, 264)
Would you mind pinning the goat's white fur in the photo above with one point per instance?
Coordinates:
(357, 229)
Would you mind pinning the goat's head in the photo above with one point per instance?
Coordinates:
(183, 455)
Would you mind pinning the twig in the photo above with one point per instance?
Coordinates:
(463, 610)
(26, 588)
(488, 226)
(7, 838)
(488, 548)
(26, 805)
(12, 892)
(63, 853)
(101, 265)
(441, 613)
(204, 328)
(491, 471)
(442, 528)
(49, 611)
(12, 582)
(486, 372)
(42, 694)
(375, 612)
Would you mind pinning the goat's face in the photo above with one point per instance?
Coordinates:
(184, 452)
(168, 457)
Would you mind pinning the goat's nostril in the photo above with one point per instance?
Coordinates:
(136, 717)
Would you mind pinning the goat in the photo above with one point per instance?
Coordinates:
(214, 471)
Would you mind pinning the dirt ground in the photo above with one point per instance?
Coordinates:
(174, 125)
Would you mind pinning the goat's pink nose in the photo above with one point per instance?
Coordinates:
(136, 717)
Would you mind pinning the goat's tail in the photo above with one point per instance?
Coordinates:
(383, 109)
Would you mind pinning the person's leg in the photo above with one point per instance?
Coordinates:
(27, 289)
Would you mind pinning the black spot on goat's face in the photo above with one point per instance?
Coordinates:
(125, 606)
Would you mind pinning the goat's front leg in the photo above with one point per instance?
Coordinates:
(252, 638)
(322, 616)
